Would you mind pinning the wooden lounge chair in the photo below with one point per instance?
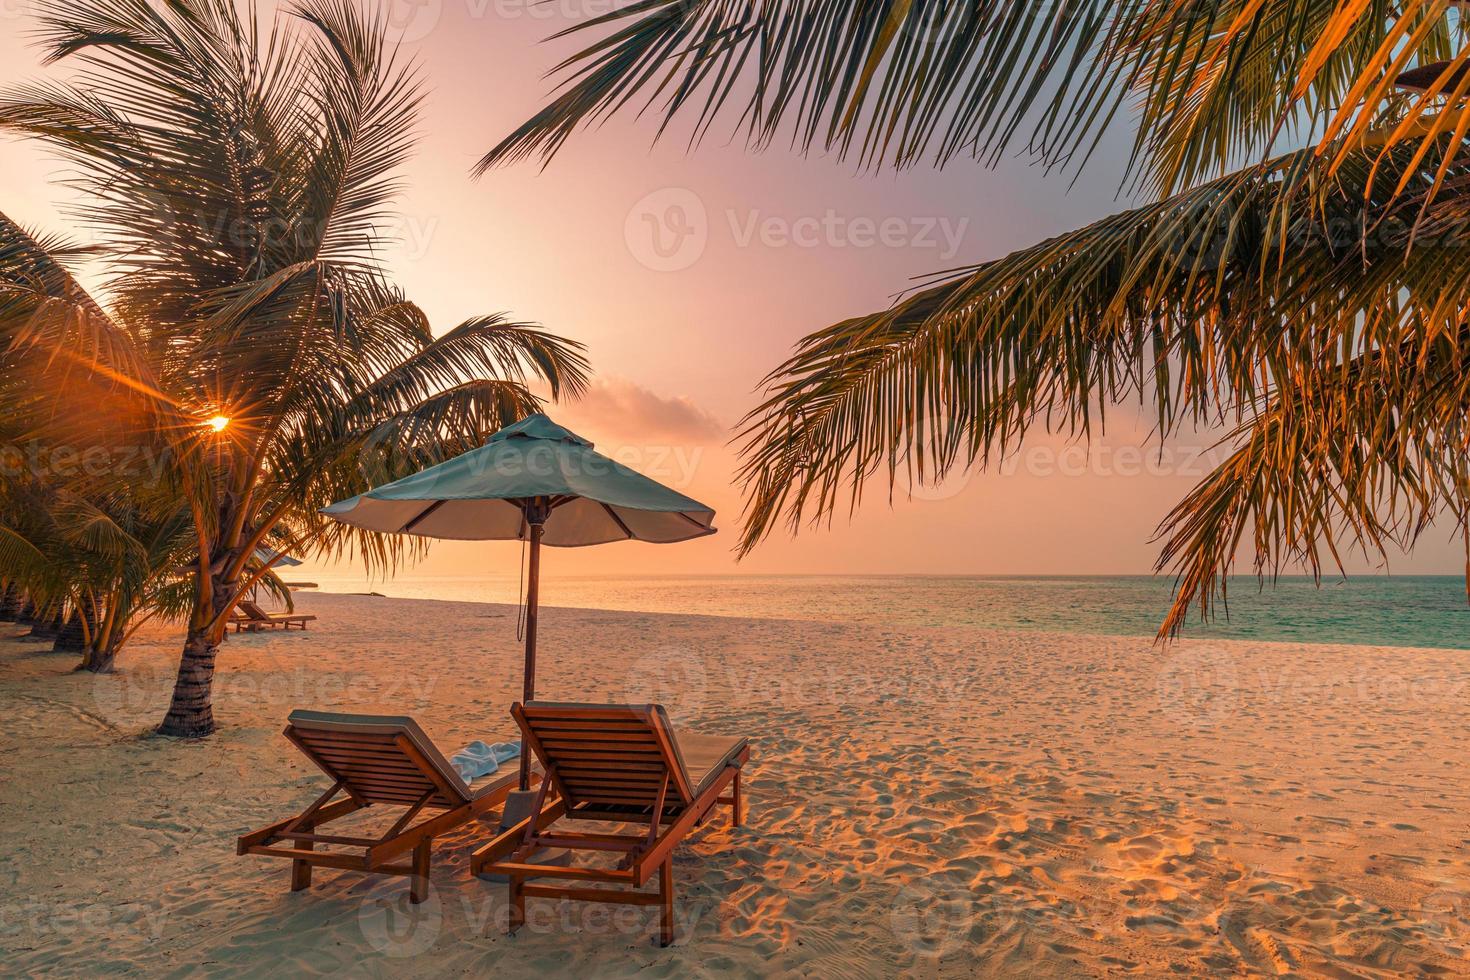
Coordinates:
(620, 763)
(373, 760)
(249, 616)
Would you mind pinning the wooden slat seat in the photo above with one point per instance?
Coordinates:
(249, 616)
(374, 759)
(620, 762)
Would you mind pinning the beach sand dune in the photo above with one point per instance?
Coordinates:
(927, 802)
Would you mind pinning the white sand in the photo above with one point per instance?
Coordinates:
(944, 802)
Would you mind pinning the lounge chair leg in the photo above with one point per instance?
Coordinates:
(418, 886)
(666, 907)
(301, 868)
(735, 800)
(517, 905)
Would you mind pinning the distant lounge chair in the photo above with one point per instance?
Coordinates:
(619, 763)
(373, 759)
(248, 616)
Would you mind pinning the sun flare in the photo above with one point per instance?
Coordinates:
(218, 423)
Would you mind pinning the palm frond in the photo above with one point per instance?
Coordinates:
(485, 346)
(891, 82)
(1212, 86)
(88, 526)
(1354, 459)
(24, 564)
(366, 101)
(1206, 308)
(43, 309)
(236, 177)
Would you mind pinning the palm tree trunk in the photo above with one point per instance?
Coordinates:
(108, 635)
(191, 713)
(10, 601)
(100, 661)
(106, 638)
(73, 636)
(45, 628)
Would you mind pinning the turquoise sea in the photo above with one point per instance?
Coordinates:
(1420, 611)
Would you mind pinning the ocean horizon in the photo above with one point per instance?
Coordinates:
(1428, 611)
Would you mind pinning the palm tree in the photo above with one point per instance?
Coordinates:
(96, 546)
(237, 178)
(104, 566)
(1298, 279)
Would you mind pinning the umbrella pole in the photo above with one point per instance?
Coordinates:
(533, 589)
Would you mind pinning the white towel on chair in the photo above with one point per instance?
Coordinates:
(478, 759)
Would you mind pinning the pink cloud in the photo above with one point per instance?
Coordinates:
(620, 408)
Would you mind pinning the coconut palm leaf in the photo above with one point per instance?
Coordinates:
(238, 177)
(889, 81)
(26, 565)
(369, 100)
(484, 345)
(1262, 292)
(1211, 85)
(86, 525)
(46, 313)
(1207, 308)
(1354, 459)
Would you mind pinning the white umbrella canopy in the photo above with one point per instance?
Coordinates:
(532, 481)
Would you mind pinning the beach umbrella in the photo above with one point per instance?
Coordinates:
(272, 559)
(267, 556)
(537, 482)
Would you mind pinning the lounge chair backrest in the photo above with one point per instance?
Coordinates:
(252, 609)
(378, 758)
(606, 754)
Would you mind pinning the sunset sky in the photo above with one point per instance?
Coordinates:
(689, 275)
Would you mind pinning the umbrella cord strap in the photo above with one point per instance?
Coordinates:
(521, 602)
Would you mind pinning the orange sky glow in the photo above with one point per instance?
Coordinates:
(689, 275)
